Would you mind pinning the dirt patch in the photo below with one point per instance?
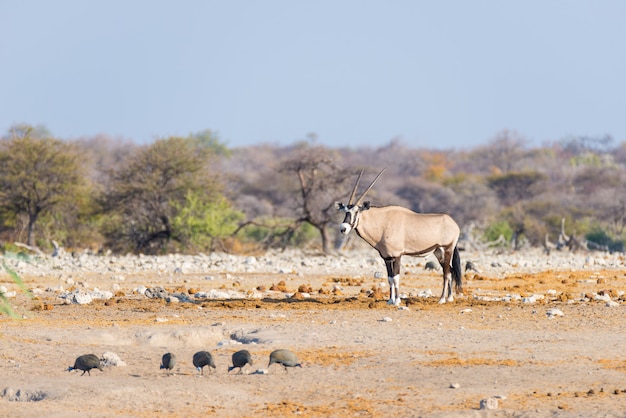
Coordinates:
(360, 356)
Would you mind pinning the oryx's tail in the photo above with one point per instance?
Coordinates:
(457, 274)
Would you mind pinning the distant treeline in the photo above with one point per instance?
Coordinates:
(195, 194)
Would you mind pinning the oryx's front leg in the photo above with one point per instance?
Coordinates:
(393, 277)
(447, 287)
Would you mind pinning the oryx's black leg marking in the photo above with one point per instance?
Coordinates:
(393, 277)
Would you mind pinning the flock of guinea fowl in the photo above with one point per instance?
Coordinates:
(201, 359)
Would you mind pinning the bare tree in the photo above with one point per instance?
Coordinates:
(320, 184)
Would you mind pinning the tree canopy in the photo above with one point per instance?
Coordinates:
(37, 175)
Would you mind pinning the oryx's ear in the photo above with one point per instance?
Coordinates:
(340, 206)
(366, 206)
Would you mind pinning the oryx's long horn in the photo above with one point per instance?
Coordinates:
(356, 185)
(359, 201)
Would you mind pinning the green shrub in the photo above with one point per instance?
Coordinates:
(494, 230)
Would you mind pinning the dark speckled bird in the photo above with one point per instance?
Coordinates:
(85, 363)
(201, 359)
(284, 357)
(168, 361)
(240, 359)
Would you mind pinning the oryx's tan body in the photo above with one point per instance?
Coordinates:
(395, 231)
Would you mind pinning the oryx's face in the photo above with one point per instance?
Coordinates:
(352, 217)
(353, 213)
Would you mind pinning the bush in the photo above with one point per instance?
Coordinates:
(278, 232)
(600, 237)
(494, 230)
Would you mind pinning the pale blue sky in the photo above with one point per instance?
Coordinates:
(437, 74)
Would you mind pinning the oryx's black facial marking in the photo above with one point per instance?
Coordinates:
(350, 220)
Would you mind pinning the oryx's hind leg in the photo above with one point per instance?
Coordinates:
(444, 255)
(393, 277)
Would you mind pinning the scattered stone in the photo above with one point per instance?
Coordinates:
(79, 297)
(110, 359)
(454, 385)
(489, 403)
(156, 293)
(19, 395)
(554, 312)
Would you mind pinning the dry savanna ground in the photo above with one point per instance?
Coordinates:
(360, 357)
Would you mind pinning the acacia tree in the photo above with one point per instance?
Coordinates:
(320, 184)
(37, 175)
(151, 189)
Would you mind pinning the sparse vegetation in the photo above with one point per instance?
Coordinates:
(195, 194)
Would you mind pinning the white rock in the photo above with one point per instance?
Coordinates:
(186, 268)
(552, 312)
(612, 304)
(112, 359)
(101, 294)
(386, 319)
(80, 297)
(489, 403)
(604, 298)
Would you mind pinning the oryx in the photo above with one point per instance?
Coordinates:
(395, 231)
